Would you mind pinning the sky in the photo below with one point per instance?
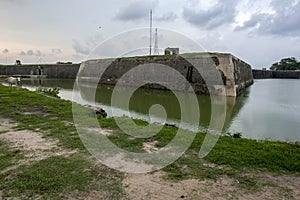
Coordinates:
(258, 32)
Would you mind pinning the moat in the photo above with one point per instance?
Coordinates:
(269, 109)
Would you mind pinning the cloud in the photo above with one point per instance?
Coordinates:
(84, 47)
(221, 13)
(136, 10)
(38, 53)
(254, 21)
(56, 51)
(5, 51)
(170, 16)
(80, 48)
(16, 2)
(22, 53)
(284, 21)
(31, 53)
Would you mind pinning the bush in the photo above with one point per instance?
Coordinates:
(50, 91)
(234, 135)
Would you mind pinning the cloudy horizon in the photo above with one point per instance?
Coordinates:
(258, 32)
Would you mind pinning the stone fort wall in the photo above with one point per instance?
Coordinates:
(221, 74)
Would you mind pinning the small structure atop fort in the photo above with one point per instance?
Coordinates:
(171, 51)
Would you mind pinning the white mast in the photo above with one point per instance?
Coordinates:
(156, 50)
(150, 33)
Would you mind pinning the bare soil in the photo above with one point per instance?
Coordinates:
(32, 144)
(35, 147)
(154, 186)
(150, 147)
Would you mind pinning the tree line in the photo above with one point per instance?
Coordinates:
(286, 64)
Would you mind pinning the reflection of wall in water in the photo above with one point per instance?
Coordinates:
(142, 100)
(234, 106)
(49, 83)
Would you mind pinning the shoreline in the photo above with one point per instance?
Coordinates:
(248, 167)
(174, 122)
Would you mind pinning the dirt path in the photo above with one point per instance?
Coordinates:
(32, 144)
(153, 186)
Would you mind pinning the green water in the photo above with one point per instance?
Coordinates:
(270, 109)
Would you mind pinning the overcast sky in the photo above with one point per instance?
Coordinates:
(259, 32)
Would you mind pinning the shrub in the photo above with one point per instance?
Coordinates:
(49, 91)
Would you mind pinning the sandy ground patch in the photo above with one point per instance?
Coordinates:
(150, 147)
(288, 181)
(101, 131)
(153, 186)
(92, 195)
(6, 124)
(32, 144)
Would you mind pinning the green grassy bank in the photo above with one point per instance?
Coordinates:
(58, 176)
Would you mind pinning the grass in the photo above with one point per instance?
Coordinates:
(5, 131)
(7, 156)
(230, 156)
(60, 175)
(56, 175)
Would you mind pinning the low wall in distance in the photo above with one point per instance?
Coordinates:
(265, 74)
(64, 71)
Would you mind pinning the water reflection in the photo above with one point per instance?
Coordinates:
(64, 84)
(142, 100)
(270, 109)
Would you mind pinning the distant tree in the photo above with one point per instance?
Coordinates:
(286, 64)
(62, 63)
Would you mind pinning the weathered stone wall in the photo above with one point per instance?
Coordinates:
(243, 76)
(52, 71)
(221, 74)
(264, 74)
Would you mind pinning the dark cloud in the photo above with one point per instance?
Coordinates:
(56, 51)
(222, 13)
(5, 51)
(170, 16)
(136, 10)
(285, 20)
(254, 21)
(80, 48)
